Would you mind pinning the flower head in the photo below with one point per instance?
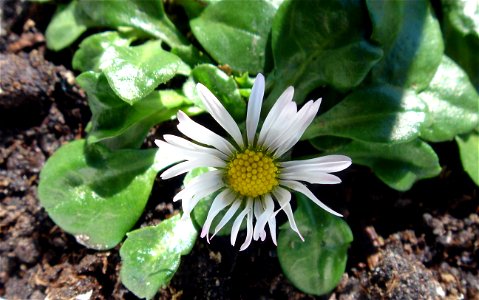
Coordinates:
(248, 172)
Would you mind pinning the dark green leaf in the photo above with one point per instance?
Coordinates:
(93, 51)
(412, 41)
(469, 151)
(146, 15)
(235, 32)
(66, 26)
(316, 265)
(151, 255)
(97, 199)
(398, 165)
(120, 125)
(320, 43)
(224, 87)
(381, 114)
(137, 71)
(452, 102)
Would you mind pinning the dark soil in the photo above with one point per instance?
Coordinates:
(421, 244)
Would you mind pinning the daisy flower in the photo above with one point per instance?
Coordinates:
(248, 171)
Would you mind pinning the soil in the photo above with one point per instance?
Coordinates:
(420, 244)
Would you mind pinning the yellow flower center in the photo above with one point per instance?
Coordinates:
(252, 173)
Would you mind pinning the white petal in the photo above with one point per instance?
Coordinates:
(264, 217)
(209, 178)
(273, 114)
(189, 154)
(202, 134)
(327, 164)
(311, 177)
(169, 152)
(249, 230)
(280, 124)
(187, 145)
(191, 164)
(221, 201)
(220, 114)
(254, 108)
(258, 211)
(272, 228)
(228, 215)
(297, 129)
(239, 220)
(190, 203)
(284, 197)
(299, 187)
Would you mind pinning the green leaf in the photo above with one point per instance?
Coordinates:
(147, 16)
(134, 72)
(235, 32)
(461, 33)
(120, 125)
(151, 255)
(316, 265)
(381, 114)
(93, 50)
(452, 102)
(224, 87)
(397, 165)
(97, 198)
(66, 26)
(412, 41)
(320, 43)
(469, 151)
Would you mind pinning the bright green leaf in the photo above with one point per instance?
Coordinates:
(461, 34)
(452, 102)
(137, 71)
(224, 87)
(397, 165)
(151, 255)
(320, 43)
(381, 114)
(316, 265)
(411, 58)
(235, 32)
(120, 125)
(469, 151)
(97, 198)
(66, 26)
(148, 16)
(93, 50)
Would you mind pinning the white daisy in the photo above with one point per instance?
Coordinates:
(247, 171)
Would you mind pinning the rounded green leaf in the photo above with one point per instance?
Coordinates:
(147, 16)
(120, 125)
(93, 50)
(469, 151)
(320, 43)
(97, 199)
(316, 265)
(412, 42)
(66, 26)
(137, 71)
(151, 255)
(235, 32)
(452, 103)
(381, 114)
(224, 87)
